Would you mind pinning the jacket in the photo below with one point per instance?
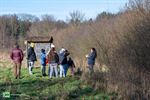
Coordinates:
(91, 58)
(16, 55)
(71, 63)
(31, 54)
(53, 58)
(43, 59)
(63, 58)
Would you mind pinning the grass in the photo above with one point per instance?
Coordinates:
(36, 87)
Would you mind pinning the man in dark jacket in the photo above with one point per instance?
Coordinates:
(17, 57)
(31, 57)
(63, 62)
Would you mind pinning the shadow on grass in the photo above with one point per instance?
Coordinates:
(31, 89)
(80, 92)
(72, 95)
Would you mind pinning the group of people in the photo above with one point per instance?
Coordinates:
(59, 63)
(53, 59)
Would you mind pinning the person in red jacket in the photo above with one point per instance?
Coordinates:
(17, 57)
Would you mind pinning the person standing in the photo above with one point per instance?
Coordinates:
(91, 59)
(61, 58)
(51, 46)
(43, 62)
(17, 57)
(71, 66)
(31, 57)
(63, 62)
(53, 60)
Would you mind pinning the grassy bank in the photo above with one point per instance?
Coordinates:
(36, 87)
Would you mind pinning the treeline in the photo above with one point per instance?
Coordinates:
(122, 41)
(14, 28)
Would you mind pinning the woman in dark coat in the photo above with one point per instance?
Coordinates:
(91, 59)
(31, 57)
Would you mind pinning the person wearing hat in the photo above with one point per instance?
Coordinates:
(17, 57)
(53, 60)
(63, 62)
(51, 46)
(61, 58)
(31, 57)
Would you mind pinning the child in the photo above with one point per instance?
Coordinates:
(71, 66)
(43, 62)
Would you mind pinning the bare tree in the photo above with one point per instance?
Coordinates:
(76, 17)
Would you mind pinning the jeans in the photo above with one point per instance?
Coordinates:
(43, 68)
(65, 67)
(48, 70)
(31, 65)
(62, 72)
(53, 67)
(91, 70)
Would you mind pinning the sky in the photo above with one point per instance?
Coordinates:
(60, 9)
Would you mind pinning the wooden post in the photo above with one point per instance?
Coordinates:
(51, 41)
(27, 53)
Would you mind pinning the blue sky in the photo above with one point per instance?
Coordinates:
(60, 8)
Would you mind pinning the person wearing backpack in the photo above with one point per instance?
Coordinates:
(17, 57)
(53, 60)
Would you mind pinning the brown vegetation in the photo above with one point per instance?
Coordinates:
(122, 41)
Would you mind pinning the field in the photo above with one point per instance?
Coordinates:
(36, 87)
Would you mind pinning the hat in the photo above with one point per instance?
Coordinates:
(32, 45)
(62, 50)
(52, 46)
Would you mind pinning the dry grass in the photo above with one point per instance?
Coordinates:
(122, 43)
(5, 60)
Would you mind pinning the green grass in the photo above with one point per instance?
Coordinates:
(36, 87)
